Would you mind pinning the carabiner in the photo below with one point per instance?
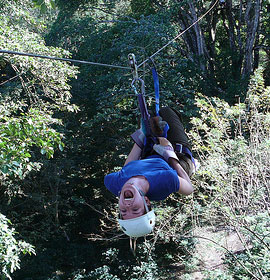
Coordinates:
(142, 86)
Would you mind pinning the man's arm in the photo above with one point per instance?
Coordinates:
(186, 187)
(165, 149)
(134, 154)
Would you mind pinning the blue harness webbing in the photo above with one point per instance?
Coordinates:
(156, 86)
(184, 149)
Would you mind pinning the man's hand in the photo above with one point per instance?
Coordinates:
(165, 149)
(138, 137)
(158, 128)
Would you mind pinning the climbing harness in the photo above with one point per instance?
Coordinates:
(151, 139)
(141, 96)
(178, 147)
(145, 116)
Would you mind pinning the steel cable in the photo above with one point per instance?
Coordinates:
(63, 59)
(179, 35)
(104, 64)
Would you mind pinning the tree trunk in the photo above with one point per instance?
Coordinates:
(198, 37)
(240, 20)
(252, 18)
(212, 25)
(194, 37)
(233, 31)
(256, 53)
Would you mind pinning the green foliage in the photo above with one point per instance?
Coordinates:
(232, 143)
(29, 100)
(39, 82)
(144, 270)
(61, 204)
(44, 5)
(18, 135)
(34, 95)
(140, 7)
(254, 259)
(11, 249)
(218, 275)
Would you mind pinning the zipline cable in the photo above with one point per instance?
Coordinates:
(104, 64)
(179, 35)
(64, 59)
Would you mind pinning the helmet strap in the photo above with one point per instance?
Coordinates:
(143, 198)
(132, 243)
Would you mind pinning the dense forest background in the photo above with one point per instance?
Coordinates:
(64, 126)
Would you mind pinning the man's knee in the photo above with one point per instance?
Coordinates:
(164, 111)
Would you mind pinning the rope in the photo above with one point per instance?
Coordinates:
(64, 59)
(179, 35)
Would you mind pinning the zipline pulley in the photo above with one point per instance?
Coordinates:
(133, 65)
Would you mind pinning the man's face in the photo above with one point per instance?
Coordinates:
(131, 202)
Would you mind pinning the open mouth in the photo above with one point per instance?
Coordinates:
(128, 195)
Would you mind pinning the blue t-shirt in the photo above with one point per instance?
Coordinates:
(163, 180)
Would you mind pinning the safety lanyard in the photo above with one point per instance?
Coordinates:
(141, 96)
(145, 116)
(150, 139)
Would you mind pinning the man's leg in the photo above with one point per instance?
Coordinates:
(176, 135)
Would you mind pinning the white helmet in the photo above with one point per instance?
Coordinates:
(139, 226)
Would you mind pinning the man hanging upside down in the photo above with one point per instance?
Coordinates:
(163, 170)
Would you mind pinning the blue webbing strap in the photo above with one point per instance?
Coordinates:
(156, 86)
(185, 150)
